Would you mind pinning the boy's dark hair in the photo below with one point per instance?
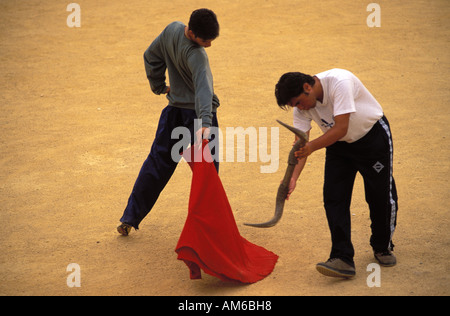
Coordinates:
(289, 86)
(203, 23)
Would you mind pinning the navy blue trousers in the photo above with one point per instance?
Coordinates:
(372, 157)
(159, 165)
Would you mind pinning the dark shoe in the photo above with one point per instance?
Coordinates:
(337, 268)
(124, 229)
(386, 258)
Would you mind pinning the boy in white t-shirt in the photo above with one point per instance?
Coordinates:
(357, 138)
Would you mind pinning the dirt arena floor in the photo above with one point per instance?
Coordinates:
(78, 118)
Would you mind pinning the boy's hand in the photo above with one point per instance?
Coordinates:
(292, 185)
(304, 152)
(202, 133)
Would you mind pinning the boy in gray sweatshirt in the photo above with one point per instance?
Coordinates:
(180, 50)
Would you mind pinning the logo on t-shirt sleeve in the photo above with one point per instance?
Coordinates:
(326, 124)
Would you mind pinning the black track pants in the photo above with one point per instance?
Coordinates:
(372, 157)
(159, 166)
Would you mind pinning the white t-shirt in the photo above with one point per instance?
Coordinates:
(343, 93)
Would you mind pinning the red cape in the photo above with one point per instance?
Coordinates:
(210, 239)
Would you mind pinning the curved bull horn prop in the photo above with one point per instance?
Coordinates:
(283, 189)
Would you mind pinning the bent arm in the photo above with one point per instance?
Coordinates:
(155, 67)
(297, 171)
(338, 131)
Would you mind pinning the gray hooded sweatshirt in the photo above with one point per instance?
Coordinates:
(190, 77)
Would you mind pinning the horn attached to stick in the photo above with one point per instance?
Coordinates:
(283, 189)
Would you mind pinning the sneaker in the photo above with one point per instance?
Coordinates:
(337, 268)
(386, 258)
(124, 229)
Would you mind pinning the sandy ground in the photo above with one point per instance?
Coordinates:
(78, 118)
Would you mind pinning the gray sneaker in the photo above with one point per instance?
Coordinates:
(386, 258)
(337, 268)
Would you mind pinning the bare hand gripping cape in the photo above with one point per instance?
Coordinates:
(210, 239)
